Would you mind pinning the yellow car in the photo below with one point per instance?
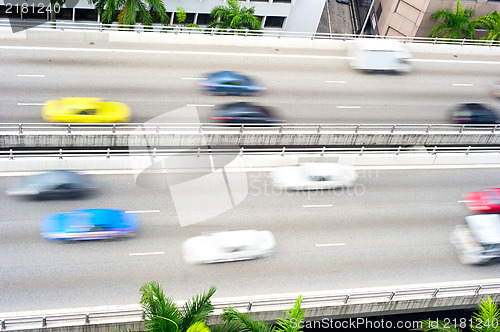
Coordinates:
(85, 110)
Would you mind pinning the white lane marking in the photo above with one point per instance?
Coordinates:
(146, 253)
(29, 75)
(330, 244)
(337, 82)
(317, 206)
(199, 105)
(463, 84)
(143, 211)
(347, 107)
(458, 61)
(193, 78)
(31, 104)
(465, 201)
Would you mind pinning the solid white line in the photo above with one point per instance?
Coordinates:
(193, 78)
(31, 104)
(462, 84)
(315, 206)
(464, 201)
(330, 244)
(146, 253)
(198, 105)
(28, 75)
(143, 211)
(338, 82)
(349, 107)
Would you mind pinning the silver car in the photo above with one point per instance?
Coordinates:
(228, 246)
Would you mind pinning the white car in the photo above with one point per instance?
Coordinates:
(228, 246)
(314, 176)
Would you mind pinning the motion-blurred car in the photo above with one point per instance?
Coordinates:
(85, 110)
(315, 176)
(230, 83)
(53, 185)
(90, 224)
(243, 112)
(473, 113)
(484, 201)
(379, 55)
(495, 90)
(228, 246)
(343, 1)
(478, 240)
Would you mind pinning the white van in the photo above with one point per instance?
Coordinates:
(379, 55)
(478, 241)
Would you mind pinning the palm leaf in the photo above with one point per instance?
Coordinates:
(197, 309)
(487, 319)
(294, 320)
(161, 312)
(246, 322)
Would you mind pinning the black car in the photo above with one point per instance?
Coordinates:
(244, 112)
(474, 113)
(53, 185)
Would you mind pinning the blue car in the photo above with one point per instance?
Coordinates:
(230, 83)
(90, 224)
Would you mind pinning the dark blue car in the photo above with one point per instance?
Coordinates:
(230, 83)
(90, 224)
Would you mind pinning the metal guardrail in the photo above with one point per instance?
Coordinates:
(138, 28)
(309, 300)
(242, 151)
(289, 128)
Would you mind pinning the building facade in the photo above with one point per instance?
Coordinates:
(288, 15)
(410, 18)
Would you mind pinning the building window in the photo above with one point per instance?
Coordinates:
(204, 19)
(189, 18)
(65, 14)
(85, 14)
(282, 1)
(379, 11)
(274, 22)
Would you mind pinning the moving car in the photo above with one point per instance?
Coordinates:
(495, 90)
(478, 241)
(243, 112)
(228, 246)
(53, 185)
(383, 55)
(485, 201)
(230, 83)
(90, 224)
(314, 176)
(473, 113)
(85, 110)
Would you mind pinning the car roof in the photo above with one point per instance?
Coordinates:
(474, 106)
(485, 227)
(224, 75)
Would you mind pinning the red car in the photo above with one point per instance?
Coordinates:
(484, 201)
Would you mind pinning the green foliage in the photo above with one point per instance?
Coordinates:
(491, 23)
(129, 11)
(181, 15)
(233, 16)
(163, 315)
(456, 24)
(198, 327)
(294, 320)
(438, 326)
(487, 319)
(245, 322)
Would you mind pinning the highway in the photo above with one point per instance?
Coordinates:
(391, 229)
(304, 86)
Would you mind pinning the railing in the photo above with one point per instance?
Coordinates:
(138, 28)
(134, 313)
(290, 128)
(242, 151)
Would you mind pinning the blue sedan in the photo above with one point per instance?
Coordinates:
(230, 83)
(90, 224)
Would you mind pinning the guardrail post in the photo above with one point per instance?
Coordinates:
(361, 151)
(281, 129)
(241, 129)
(494, 128)
(463, 42)
(3, 325)
(283, 151)
(356, 130)
(20, 129)
(69, 128)
(154, 153)
(11, 155)
(249, 306)
(107, 154)
(44, 321)
(434, 150)
(60, 154)
(198, 154)
(392, 129)
(62, 26)
(427, 129)
(399, 149)
(319, 129)
(435, 292)
(114, 129)
(241, 152)
(478, 289)
(467, 152)
(435, 40)
(461, 129)
(322, 151)
(392, 296)
(346, 299)
(87, 318)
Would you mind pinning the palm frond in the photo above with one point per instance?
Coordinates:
(438, 326)
(161, 312)
(229, 327)
(487, 319)
(295, 318)
(198, 327)
(198, 308)
(248, 323)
